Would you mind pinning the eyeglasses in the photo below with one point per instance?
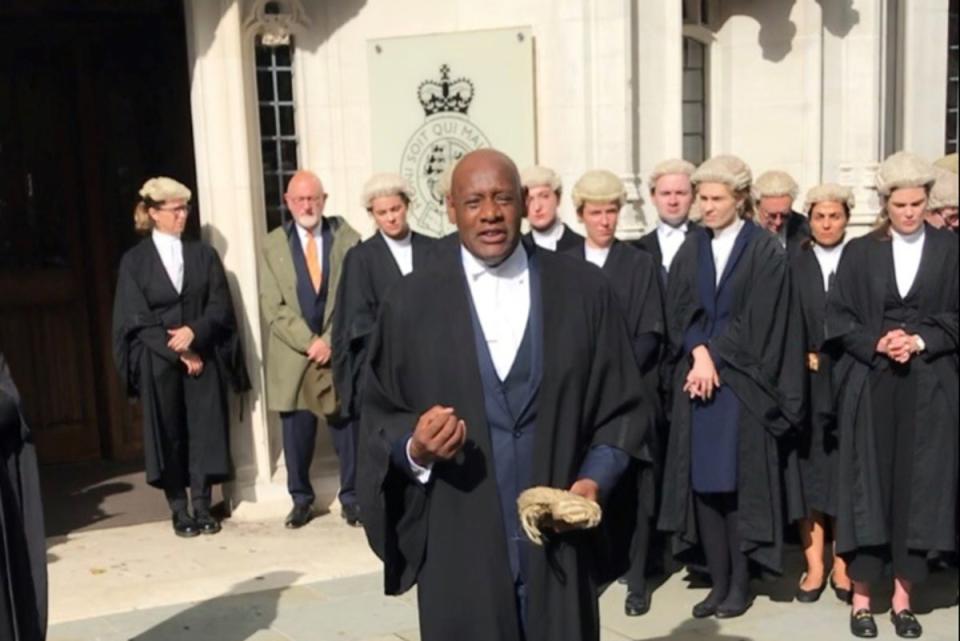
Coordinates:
(180, 209)
(308, 200)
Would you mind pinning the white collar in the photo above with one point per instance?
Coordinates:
(513, 266)
(554, 233)
(596, 255)
(666, 229)
(401, 243)
(306, 233)
(730, 231)
(908, 239)
(166, 240)
(830, 251)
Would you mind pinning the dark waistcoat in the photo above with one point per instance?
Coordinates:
(511, 410)
(313, 304)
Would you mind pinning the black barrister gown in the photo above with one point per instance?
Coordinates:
(145, 307)
(864, 298)
(635, 281)
(369, 271)
(23, 547)
(448, 537)
(818, 444)
(759, 356)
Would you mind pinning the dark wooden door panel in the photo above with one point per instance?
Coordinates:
(49, 357)
(94, 99)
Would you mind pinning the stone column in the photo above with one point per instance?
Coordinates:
(229, 196)
(858, 109)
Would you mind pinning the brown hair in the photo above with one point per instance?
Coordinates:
(749, 211)
(142, 221)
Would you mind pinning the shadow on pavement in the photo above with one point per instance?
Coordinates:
(237, 615)
(694, 630)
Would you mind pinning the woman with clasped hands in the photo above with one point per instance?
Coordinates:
(176, 348)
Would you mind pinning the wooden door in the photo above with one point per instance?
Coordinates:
(44, 325)
(94, 99)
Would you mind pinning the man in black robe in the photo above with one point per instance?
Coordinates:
(775, 192)
(543, 188)
(498, 368)
(23, 549)
(672, 195)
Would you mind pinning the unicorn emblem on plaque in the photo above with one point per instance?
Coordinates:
(446, 135)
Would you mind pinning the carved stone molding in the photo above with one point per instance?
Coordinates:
(275, 20)
(862, 177)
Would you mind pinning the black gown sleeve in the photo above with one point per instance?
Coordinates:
(9, 401)
(764, 342)
(353, 321)
(622, 417)
(845, 322)
(135, 327)
(393, 504)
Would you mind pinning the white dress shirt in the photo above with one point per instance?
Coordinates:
(170, 249)
(670, 239)
(782, 236)
(597, 256)
(501, 296)
(722, 246)
(907, 252)
(549, 239)
(829, 259)
(402, 251)
(304, 235)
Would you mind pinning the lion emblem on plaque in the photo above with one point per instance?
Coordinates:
(446, 135)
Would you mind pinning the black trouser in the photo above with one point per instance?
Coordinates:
(183, 404)
(718, 524)
(299, 440)
(894, 394)
(640, 550)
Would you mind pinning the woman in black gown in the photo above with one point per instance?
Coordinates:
(813, 269)
(176, 347)
(893, 312)
(599, 196)
(737, 391)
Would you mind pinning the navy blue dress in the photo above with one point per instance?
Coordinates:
(714, 437)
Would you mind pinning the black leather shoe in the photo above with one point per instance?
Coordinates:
(862, 625)
(637, 603)
(299, 516)
(351, 514)
(809, 596)
(704, 609)
(184, 525)
(206, 522)
(906, 625)
(731, 609)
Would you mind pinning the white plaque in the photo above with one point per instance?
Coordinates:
(437, 97)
